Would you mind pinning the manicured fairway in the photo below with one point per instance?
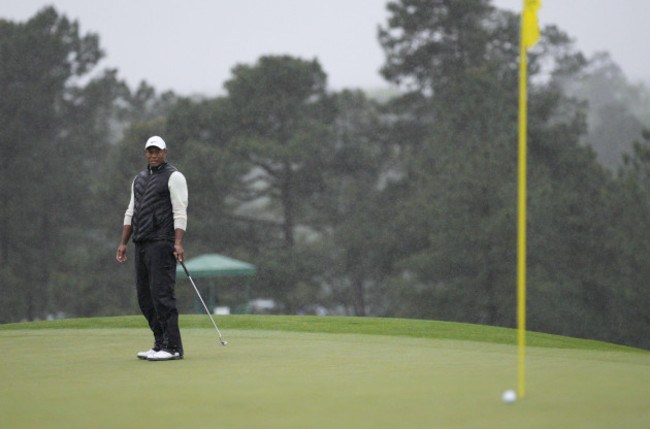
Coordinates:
(279, 372)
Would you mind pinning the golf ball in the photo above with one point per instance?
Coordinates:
(509, 396)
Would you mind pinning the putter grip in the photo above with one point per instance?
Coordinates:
(184, 268)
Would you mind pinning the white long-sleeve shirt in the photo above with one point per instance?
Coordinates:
(178, 194)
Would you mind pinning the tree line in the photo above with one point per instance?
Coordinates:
(404, 207)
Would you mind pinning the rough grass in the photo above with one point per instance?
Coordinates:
(313, 372)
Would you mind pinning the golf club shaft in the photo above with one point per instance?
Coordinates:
(202, 302)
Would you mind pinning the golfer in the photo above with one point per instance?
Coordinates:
(156, 219)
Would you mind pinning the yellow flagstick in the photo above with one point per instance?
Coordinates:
(529, 36)
(521, 230)
(521, 227)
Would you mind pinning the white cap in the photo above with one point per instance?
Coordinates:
(155, 141)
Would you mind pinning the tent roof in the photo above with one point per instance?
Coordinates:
(215, 265)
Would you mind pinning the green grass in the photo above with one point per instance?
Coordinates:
(341, 325)
(314, 372)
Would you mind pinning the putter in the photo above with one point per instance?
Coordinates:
(223, 343)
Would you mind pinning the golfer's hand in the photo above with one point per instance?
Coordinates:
(121, 253)
(179, 253)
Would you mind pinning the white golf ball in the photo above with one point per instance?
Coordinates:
(509, 396)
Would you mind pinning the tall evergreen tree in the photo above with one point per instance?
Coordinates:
(44, 156)
(281, 111)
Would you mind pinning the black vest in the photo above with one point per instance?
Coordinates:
(153, 219)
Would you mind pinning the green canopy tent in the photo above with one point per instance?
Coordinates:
(212, 266)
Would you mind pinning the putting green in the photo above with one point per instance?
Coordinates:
(82, 378)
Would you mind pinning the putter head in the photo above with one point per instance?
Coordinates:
(223, 343)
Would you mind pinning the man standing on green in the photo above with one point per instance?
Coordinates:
(156, 218)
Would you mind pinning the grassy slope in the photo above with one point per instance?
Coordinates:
(341, 325)
(313, 372)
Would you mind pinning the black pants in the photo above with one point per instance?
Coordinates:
(155, 270)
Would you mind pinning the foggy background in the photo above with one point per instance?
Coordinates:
(204, 39)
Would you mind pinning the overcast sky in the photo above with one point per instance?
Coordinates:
(190, 46)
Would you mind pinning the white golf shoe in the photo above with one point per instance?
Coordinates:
(145, 355)
(164, 355)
